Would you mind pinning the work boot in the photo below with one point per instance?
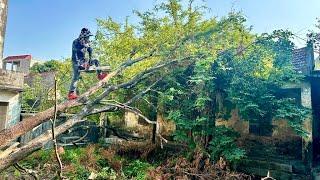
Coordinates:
(102, 76)
(72, 95)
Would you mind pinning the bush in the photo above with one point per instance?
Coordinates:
(39, 157)
(137, 170)
(72, 155)
(223, 145)
(80, 172)
(107, 173)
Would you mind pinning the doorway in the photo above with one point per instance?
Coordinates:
(3, 114)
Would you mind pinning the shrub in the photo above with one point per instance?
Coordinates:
(107, 173)
(137, 169)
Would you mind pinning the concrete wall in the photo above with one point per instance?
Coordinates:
(166, 127)
(11, 83)
(303, 59)
(14, 107)
(11, 80)
(3, 22)
(47, 78)
(283, 137)
(306, 95)
(235, 123)
(130, 119)
(24, 65)
(281, 129)
(281, 126)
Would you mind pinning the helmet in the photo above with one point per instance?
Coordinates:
(85, 33)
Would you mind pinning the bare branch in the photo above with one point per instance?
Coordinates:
(131, 109)
(52, 128)
(27, 171)
(136, 97)
(81, 138)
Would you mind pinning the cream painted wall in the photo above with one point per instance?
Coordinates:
(14, 106)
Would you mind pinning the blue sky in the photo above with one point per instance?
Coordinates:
(46, 28)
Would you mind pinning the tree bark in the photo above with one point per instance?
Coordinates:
(33, 145)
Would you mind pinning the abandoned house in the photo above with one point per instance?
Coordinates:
(20, 63)
(275, 147)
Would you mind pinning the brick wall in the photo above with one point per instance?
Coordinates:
(303, 60)
(299, 60)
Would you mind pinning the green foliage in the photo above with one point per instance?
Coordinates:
(238, 70)
(223, 145)
(81, 172)
(255, 90)
(289, 110)
(52, 65)
(39, 95)
(41, 156)
(107, 173)
(36, 96)
(17, 173)
(73, 155)
(137, 170)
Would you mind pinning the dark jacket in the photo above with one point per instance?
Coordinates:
(79, 49)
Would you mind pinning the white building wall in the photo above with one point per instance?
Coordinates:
(14, 107)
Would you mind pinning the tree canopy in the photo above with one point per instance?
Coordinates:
(204, 68)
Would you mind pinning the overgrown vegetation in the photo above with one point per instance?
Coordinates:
(238, 70)
(100, 162)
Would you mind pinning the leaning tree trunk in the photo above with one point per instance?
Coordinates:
(12, 133)
(3, 23)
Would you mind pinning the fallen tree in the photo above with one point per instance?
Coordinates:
(89, 106)
(12, 133)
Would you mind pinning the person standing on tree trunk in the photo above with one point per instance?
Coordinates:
(80, 47)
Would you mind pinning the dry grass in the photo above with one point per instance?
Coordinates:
(199, 167)
(89, 159)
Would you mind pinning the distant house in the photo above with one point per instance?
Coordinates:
(14, 75)
(11, 84)
(19, 63)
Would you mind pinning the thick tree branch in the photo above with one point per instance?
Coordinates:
(12, 133)
(41, 140)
